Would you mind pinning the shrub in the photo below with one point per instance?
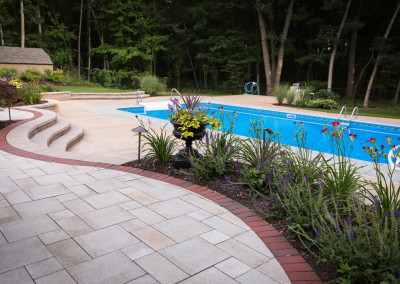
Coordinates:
(32, 75)
(50, 88)
(30, 94)
(322, 103)
(8, 93)
(304, 95)
(152, 85)
(54, 76)
(280, 92)
(290, 96)
(325, 94)
(9, 73)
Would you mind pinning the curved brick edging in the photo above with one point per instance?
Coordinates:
(296, 268)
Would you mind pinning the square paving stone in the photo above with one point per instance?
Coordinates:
(274, 270)
(106, 217)
(200, 215)
(53, 179)
(74, 226)
(228, 216)
(153, 238)
(19, 276)
(57, 277)
(133, 225)
(16, 196)
(66, 197)
(68, 253)
(106, 199)
(161, 268)
(106, 174)
(40, 192)
(172, 208)
(44, 267)
(145, 279)
(165, 192)
(138, 196)
(204, 204)
(209, 276)
(223, 226)
(130, 205)
(22, 253)
(137, 250)
(251, 239)
(2, 240)
(61, 214)
(81, 190)
(146, 215)
(214, 237)
(8, 214)
(53, 237)
(206, 255)
(38, 207)
(243, 253)
(233, 267)
(253, 276)
(111, 268)
(101, 186)
(26, 183)
(25, 228)
(105, 240)
(78, 206)
(182, 228)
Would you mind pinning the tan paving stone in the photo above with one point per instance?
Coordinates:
(3, 241)
(223, 226)
(74, 226)
(66, 197)
(106, 199)
(243, 253)
(203, 204)
(228, 216)
(105, 241)
(200, 215)
(146, 215)
(44, 267)
(214, 237)
(78, 206)
(111, 268)
(25, 228)
(68, 253)
(137, 250)
(40, 192)
(53, 237)
(145, 279)
(106, 174)
(19, 276)
(81, 190)
(253, 276)
(209, 276)
(61, 214)
(172, 208)
(165, 192)
(133, 225)
(106, 217)
(138, 196)
(274, 270)
(17, 196)
(251, 239)
(38, 207)
(101, 186)
(56, 277)
(26, 183)
(4, 189)
(54, 179)
(130, 205)
(85, 178)
(233, 267)
(153, 238)
(182, 228)
(193, 263)
(8, 214)
(161, 268)
(11, 256)
(35, 172)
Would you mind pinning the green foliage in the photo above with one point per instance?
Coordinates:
(325, 95)
(161, 146)
(8, 93)
(32, 75)
(10, 73)
(290, 96)
(321, 103)
(152, 85)
(30, 94)
(55, 76)
(304, 95)
(280, 92)
(51, 88)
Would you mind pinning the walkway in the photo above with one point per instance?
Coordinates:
(67, 221)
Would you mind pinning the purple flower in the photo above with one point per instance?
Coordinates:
(348, 221)
(377, 202)
(307, 180)
(396, 213)
(318, 233)
(269, 179)
(312, 218)
(352, 236)
(175, 101)
(274, 198)
(332, 214)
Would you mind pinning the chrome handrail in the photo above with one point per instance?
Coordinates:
(345, 112)
(173, 89)
(354, 109)
(137, 97)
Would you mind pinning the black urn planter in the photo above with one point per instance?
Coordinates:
(182, 158)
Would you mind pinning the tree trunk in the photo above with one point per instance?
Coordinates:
(194, 72)
(273, 49)
(1, 35)
(79, 40)
(64, 41)
(89, 40)
(351, 71)
(264, 44)
(371, 80)
(101, 37)
(335, 47)
(282, 45)
(39, 18)
(396, 96)
(21, 2)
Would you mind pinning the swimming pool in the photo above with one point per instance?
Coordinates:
(284, 123)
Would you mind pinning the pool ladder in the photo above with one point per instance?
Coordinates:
(355, 109)
(137, 97)
(180, 96)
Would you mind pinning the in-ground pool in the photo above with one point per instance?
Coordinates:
(284, 123)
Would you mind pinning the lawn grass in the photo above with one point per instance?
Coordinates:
(86, 89)
(372, 112)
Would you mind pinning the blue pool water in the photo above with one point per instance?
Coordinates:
(284, 123)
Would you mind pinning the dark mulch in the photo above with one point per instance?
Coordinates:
(263, 207)
(4, 123)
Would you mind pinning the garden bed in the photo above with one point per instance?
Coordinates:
(234, 190)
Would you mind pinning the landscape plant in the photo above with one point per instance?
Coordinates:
(32, 75)
(290, 96)
(152, 85)
(31, 94)
(8, 93)
(280, 92)
(304, 95)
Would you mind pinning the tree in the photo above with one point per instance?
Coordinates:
(79, 40)
(21, 2)
(335, 46)
(265, 51)
(374, 71)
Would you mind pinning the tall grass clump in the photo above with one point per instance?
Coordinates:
(280, 92)
(290, 96)
(304, 95)
(152, 85)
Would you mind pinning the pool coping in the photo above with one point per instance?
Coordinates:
(292, 262)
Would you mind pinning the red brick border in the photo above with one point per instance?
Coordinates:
(295, 266)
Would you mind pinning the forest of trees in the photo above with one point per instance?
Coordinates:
(348, 46)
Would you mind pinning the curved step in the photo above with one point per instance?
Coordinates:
(48, 135)
(73, 136)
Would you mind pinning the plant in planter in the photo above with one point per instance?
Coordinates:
(190, 120)
(9, 93)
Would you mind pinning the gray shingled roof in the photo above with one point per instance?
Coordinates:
(18, 55)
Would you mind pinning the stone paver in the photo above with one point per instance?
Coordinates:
(68, 253)
(44, 267)
(19, 276)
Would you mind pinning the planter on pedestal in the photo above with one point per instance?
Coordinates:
(182, 158)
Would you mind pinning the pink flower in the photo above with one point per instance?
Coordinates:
(335, 123)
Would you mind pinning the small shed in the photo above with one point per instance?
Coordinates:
(24, 58)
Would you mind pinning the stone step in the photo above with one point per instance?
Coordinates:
(74, 135)
(48, 135)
